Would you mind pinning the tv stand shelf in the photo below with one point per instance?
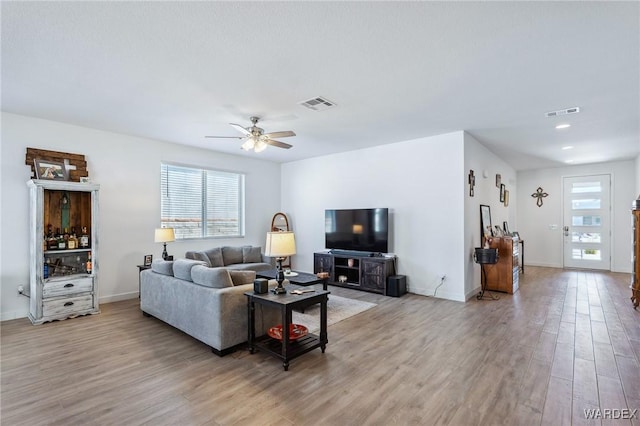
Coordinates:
(362, 272)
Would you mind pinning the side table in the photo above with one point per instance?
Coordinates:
(287, 349)
(140, 269)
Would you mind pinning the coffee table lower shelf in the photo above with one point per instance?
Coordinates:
(296, 347)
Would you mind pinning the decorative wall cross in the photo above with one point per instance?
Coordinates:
(539, 194)
(472, 182)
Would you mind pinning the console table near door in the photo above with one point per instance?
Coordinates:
(287, 349)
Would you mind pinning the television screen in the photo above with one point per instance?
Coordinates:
(357, 229)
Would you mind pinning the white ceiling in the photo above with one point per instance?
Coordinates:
(177, 71)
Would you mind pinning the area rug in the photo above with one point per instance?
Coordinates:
(338, 309)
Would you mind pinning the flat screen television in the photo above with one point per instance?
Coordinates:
(357, 229)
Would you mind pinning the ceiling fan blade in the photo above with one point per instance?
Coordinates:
(226, 137)
(240, 129)
(277, 143)
(283, 134)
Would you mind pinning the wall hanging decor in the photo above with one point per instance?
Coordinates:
(539, 195)
(506, 198)
(472, 182)
(502, 189)
(498, 180)
(72, 166)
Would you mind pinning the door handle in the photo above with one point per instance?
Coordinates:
(566, 231)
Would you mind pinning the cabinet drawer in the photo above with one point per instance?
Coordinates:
(65, 287)
(66, 306)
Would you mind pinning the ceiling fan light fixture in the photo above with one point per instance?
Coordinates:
(249, 144)
(260, 146)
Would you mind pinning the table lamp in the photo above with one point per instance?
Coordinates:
(280, 245)
(164, 235)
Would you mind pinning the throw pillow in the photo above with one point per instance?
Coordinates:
(211, 277)
(164, 267)
(199, 255)
(182, 268)
(231, 255)
(214, 257)
(251, 254)
(242, 277)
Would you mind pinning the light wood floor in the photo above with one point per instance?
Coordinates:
(567, 341)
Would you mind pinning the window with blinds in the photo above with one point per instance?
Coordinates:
(201, 203)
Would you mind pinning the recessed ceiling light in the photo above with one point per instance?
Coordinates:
(563, 126)
(567, 147)
(569, 161)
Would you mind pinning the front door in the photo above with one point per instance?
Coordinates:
(587, 223)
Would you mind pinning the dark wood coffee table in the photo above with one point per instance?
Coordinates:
(302, 278)
(287, 349)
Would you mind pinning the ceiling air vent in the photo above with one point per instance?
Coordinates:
(318, 103)
(573, 110)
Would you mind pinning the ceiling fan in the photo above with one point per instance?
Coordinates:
(255, 137)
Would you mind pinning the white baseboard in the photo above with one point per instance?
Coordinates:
(118, 297)
(11, 315)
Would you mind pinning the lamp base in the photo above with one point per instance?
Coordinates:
(279, 277)
(279, 290)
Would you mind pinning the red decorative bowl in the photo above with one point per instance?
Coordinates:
(296, 331)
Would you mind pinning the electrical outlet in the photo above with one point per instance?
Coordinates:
(20, 289)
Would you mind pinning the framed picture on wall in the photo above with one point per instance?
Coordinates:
(51, 170)
(502, 189)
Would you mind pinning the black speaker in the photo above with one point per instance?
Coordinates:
(261, 286)
(396, 285)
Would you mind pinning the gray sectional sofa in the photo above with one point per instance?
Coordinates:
(206, 302)
(246, 258)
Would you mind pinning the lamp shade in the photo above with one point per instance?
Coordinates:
(280, 244)
(164, 235)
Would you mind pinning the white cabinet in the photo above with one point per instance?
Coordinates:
(63, 281)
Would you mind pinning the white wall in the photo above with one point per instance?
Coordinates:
(543, 245)
(485, 165)
(418, 180)
(128, 171)
(637, 177)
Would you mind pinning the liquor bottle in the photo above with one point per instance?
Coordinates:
(52, 243)
(61, 243)
(73, 240)
(45, 272)
(84, 238)
(89, 265)
(66, 237)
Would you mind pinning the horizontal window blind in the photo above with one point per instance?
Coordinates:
(201, 203)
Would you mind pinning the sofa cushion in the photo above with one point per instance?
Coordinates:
(251, 254)
(164, 267)
(211, 277)
(242, 277)
(198, 255)
(231, 255)
(182, 268)
(214, 257)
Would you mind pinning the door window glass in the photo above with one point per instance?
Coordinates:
(585, 203)
(585, 237)
(586, 254)
(586, 220)
(581, 187)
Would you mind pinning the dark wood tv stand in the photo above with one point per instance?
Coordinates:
(361, 272)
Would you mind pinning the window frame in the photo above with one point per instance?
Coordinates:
(204, 212)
